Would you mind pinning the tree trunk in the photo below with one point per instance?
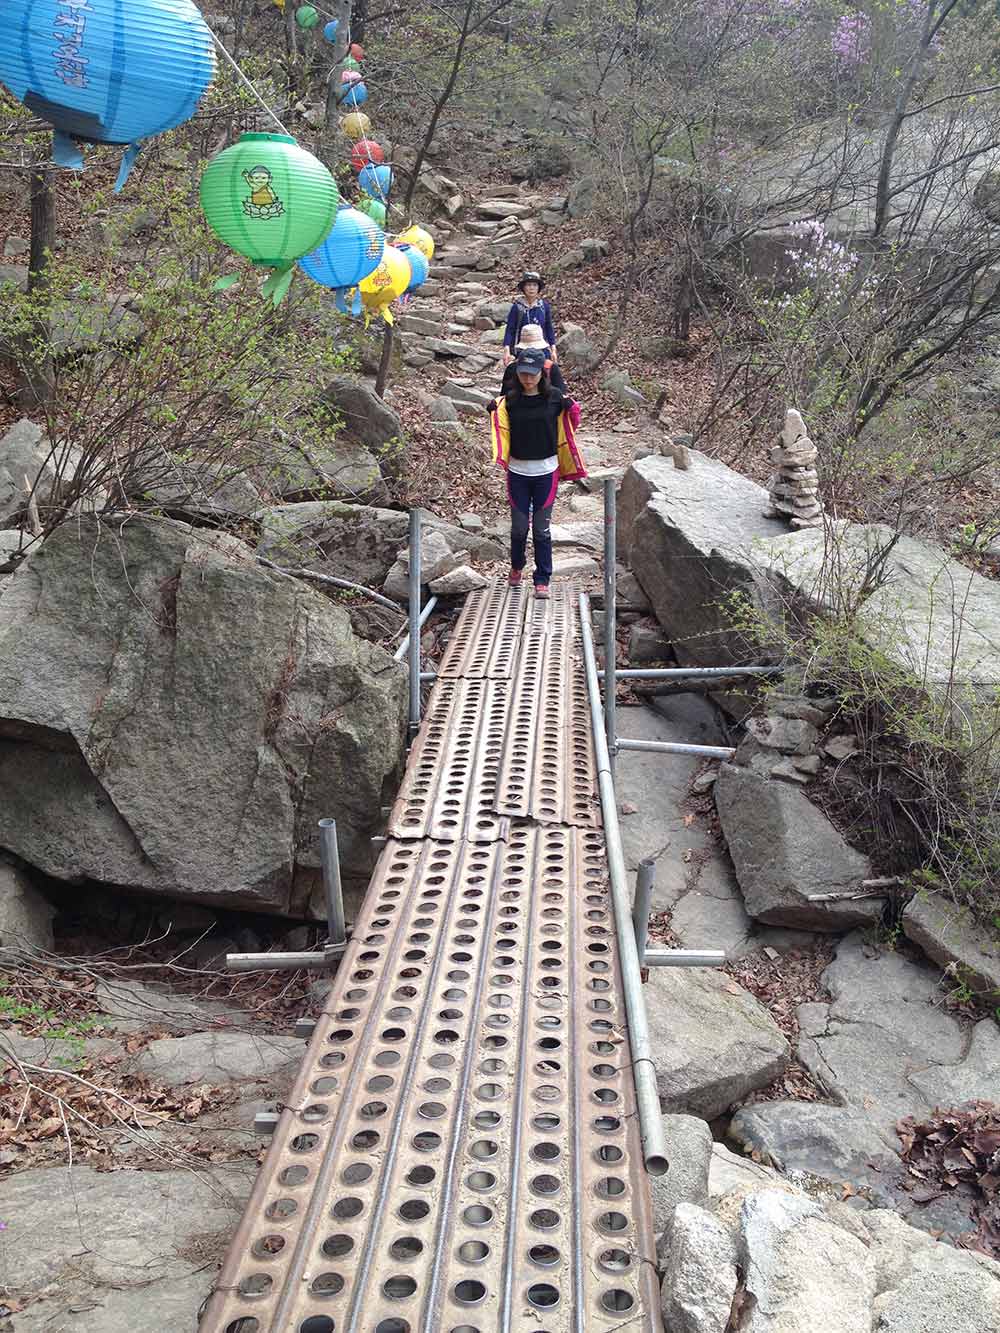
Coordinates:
(931, 28)
(37, 368)
(385, 360)
(291, 49)
(342, 13)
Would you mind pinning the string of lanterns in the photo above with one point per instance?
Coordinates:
(121, 71)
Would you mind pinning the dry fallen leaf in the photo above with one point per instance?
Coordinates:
(628, 808)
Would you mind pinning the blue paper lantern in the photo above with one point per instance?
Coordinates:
(355, 95)
(330, 32)
(420, 266)
(376, 181)
(105, 71)
(352, 249)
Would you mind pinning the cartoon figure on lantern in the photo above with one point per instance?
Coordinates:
(263, 202)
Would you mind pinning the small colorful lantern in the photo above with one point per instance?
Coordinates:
(419, 266)
(330, 32)
(350, 76)
(365, 153)
(418, 237)
(356, 125)
(353, 96)
(357, 51)
(100, 71)
(373, 208)
(386, 283)
(352, 249)
(270, 200)
(376, 181)
(307, 17)
(350, 63)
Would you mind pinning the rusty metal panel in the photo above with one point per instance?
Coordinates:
(486, 638)
(449, 789)
(547, 771)
(460, 1150)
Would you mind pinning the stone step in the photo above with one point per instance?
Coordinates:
(448, 347)
(502, 208)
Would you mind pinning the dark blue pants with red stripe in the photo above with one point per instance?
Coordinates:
(531, 500)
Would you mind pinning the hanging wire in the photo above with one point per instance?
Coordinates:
(246, 82)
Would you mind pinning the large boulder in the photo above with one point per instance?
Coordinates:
(365, 419)
(700, 1279)
(950, 936)
(174, 718)
(784, 849)
(86, 1251)
(931, 616)
(689, 1152)
(882, 1048)
(357, 542)
(337, 467)
(25, 916)
(713, 1043)
(804, 1274)
(688, 536)
(30, 466)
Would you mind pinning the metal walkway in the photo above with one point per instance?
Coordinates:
(460, 1152)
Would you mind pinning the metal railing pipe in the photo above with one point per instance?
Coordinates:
(610, 615)
(684, 958)
(404, 647)
(654, 1145)
(691, 673)
(280, 962)
(677, 747)
(640, 908)
(330, 857)
(414, 657)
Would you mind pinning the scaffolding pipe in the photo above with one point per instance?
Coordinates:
(641, 906)
(610, 616)
(678, 747)
(281, 962)
(414, 657)
(330, 858)
(404, 647)
(684, 958)
(654, 1144)
(692, 673)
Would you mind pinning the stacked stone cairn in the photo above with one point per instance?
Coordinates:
(794, 486)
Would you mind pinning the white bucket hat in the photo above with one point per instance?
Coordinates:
(531, 336)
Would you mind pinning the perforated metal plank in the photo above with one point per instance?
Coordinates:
(485, 640)
(449, 790)
(547, 768)
(461, 1150)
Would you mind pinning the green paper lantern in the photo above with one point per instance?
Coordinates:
(268, 199)
(373, 207)
(307, 17)
(351, 63)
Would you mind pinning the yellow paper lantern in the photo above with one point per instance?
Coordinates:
(389, 280)
(356, 125)
(419, 238)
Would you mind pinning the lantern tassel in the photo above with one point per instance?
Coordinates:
(348, 300)
(278, 284)
(127, 163)
(66, 151)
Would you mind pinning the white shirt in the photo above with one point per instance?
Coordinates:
(533, 467)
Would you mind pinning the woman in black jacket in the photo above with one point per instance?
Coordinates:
(531, 419)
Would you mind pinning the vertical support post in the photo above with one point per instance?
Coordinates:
(415, 654)
(330, 858)
(640, 907)
(610, 611)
